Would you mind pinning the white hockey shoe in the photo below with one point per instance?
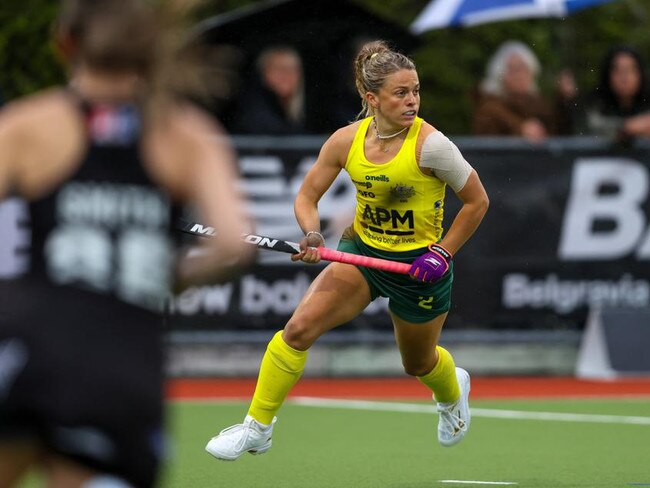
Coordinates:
(454, 418)
(251, 436)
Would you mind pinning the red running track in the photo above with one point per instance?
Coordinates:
(409, 388)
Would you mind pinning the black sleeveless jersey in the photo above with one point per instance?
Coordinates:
(106, 231)
(81, 336)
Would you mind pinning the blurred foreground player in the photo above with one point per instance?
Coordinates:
(103, 162)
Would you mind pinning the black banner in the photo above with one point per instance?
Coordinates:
(568, 228)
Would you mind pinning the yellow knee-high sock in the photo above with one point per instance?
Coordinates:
(281, 368)
(442, 380)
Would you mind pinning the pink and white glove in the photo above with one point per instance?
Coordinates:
(432, 265)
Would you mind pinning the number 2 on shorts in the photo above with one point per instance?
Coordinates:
(426, 302)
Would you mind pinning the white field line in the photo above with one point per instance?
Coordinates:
(470, 482)
(216, 400)
(476, 412)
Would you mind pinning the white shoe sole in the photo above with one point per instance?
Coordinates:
(224, 457)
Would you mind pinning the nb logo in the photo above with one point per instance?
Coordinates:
(433, 262)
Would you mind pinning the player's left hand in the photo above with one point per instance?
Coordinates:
(432, 265)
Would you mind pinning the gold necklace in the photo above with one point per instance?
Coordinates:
(382, 138)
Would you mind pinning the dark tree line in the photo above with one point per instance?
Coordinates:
(450, 61)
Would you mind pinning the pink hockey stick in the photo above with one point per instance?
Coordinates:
(366, 261)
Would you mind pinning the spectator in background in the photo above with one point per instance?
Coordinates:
(275, 102)
(620, 105)
(508, 102)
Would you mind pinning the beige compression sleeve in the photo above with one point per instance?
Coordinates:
(445, 160)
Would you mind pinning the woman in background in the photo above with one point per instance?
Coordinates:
(274, 104)
(620, 105)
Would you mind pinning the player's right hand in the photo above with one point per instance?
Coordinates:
(309, 249)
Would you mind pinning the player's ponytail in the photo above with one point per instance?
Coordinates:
(372, 65)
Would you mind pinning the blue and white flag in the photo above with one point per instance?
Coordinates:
(439, 14)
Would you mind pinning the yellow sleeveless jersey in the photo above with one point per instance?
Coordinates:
(399, 208)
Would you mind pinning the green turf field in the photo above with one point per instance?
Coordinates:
(339, 447)
(606, 444)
